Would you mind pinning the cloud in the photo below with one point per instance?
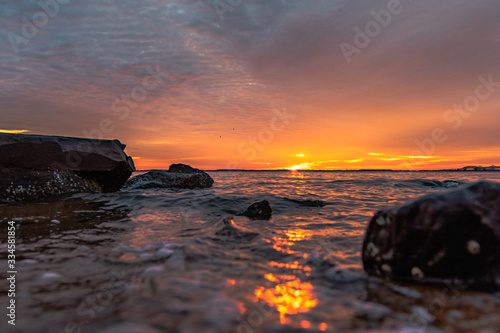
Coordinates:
(229, 73)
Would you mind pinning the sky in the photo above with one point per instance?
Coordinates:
(259, 84)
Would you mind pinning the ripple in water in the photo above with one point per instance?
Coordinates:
(159, 260)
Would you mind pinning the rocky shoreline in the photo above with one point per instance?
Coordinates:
(37, 166)
(445, 238)
(441, 238)
(177, 176)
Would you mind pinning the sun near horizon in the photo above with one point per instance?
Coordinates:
(347, 159)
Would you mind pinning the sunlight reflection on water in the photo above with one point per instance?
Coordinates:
(185, 265)
(289, 296)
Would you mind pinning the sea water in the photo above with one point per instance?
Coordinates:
(164, 260)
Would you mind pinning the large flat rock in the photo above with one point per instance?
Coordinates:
(180, 176)
(34, 166)
(451, 237)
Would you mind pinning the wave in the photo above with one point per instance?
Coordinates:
(429, 183)
(307, 203)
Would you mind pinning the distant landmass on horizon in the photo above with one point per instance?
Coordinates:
(466, 168)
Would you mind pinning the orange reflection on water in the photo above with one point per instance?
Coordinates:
(346, 232)
(297, 235)
(283, 244)
(289, 296)
(344, 254)
(295, 173)
(290, 265)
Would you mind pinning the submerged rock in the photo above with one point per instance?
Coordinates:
(258, 211)
(308, 203)
(177, 176)
(230, 229)
(451, 237)
(343, 275)
(35, 166)
(370, 311)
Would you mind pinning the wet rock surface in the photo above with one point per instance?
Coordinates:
(231, 229)
(177, 176)
(258, 211)
(35, 166)
(440, 238)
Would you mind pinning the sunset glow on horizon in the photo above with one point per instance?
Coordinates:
(269, 85)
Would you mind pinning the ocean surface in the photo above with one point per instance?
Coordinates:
(160, 260)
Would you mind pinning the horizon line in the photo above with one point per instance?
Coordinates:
(338, 170)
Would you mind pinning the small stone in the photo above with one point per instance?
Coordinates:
(370, 311)
(454, 315)
(473, 247)
(406, 291)
(417, 273)
(388, 255)
(258, 211)
(154, 270)
(50, 275)
(386, 268)
(422, 315)
(164, 252)
(372, 249)
(380, 221)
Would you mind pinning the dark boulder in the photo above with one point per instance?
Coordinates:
(258, 211)
(451, 237)
(183, 168)
(35, 166)
(177, 176)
